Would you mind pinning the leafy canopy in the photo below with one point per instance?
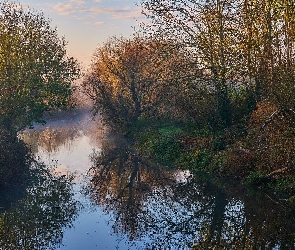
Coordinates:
(35, 70)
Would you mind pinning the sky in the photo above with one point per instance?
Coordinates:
(86, 24)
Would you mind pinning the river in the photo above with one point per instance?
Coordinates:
(99, 193)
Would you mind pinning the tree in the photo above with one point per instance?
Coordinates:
(269, 48)
(133, 77)
(210, 30)
(35, 70)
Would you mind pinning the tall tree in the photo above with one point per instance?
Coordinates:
(35, 70)
(248, 43)
(209, 30)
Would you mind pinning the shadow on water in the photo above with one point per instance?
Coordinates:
(173, 209)
(14, 157)
(34, 212)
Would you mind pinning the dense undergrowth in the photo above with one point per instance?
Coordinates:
(257, 152)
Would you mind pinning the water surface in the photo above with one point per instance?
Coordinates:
(123, 200)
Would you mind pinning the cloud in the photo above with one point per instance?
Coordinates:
(64, 9)
(81, 7)
(98, 23)
(128, 15)
(79, 2)
(69, 7)
(117, 13)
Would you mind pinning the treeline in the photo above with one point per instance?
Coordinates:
(202, 84)
(223, 71)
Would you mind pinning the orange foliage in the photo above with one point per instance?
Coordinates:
(271, 136)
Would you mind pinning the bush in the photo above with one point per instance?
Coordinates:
(235, 161)
(271, 138)
(197, 160)
(255, 179)
(164, 146)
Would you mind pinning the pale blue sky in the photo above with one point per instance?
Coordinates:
(88, 23)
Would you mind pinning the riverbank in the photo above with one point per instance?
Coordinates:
(258, 152)
(259, 159)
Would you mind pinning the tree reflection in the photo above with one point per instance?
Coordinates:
(252, 221)
(14, 157)
(175, 210)
(121, 182)
(51, 137)
(190, 212)
(148, 201)
(36, 221)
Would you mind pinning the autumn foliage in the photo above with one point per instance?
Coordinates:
(225, 66)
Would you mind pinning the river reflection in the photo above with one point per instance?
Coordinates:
(122, 182)
(123, 200)
(33, 215)
(175, 210)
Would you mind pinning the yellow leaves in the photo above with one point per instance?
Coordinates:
(196, 153)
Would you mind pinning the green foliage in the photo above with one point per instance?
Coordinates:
(169, 132)
(255, 179)
(162, 144)
(198, 160)
(283, 187)
(196, 130)
(35, 70)
(163, 141)
(166, 149)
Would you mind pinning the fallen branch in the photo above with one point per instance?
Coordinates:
(278, 171)
(273, 116)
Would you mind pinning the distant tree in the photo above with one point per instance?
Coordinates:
(130, 78)
(35, 70)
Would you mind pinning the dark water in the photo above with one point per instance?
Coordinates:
(122, 200)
